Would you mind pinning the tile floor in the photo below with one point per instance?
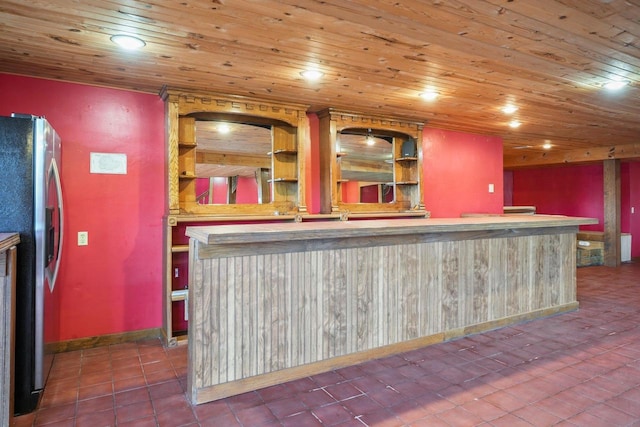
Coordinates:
(575, 369)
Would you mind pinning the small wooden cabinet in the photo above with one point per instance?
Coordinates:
(400, 162)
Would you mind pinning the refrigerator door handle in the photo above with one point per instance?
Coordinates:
(54, 174)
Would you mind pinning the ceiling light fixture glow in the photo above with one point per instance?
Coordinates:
(615, 84)
(514, 124)
(312, 75)
(429, 95)
(128, 42)
(370, 140)
(509, 109)
(547, 145)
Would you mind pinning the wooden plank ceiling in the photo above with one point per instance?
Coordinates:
(550, 58)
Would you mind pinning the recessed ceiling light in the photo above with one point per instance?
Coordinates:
(429, 95)
(312, 75)
(128, 42)
(514, 124)
(509, 109)
(615, 84)
(547, 145)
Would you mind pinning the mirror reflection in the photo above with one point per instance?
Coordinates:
(365, 159)
(232, 162)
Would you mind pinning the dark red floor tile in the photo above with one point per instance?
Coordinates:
(129, 383)
(95, 405)
(94, 391)
(227, 419)
(342, 391)
(276, 392)
(303, 419)
(93, 419)
(361, 405)
(182, 417)
(332, 414)
(429, 421)
(245, 400)
(458, 416)
(505, 401)
(537, 417)
(55, 413)
(171, 403)
(509, 420)
(316, 398)
(128, 397)
(286, 407)
(255, 416)
(149, 421)
(580, 368)
(134, 411)
(484, 410)
(382, 417)
(170, 388)
(327, 378)
(410, 411)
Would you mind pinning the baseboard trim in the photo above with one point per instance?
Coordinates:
(102, 340)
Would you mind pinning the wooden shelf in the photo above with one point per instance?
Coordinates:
(187, 144)
(340, 154)
(282, 151)
(283, 180)
(187, 176)
(404, 183)
(406, 159)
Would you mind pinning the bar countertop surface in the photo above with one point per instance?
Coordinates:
(305, 230)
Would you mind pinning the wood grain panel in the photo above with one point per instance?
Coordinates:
(550, 57)
(256, 315)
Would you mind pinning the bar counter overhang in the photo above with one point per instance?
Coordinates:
(269, 303)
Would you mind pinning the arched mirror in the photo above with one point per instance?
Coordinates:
(371, 165)
(365, 160)
(234, 156)
(233, 162)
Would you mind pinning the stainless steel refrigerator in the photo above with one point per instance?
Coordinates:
(31, 204)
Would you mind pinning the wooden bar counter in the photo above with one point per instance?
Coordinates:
(269, 303)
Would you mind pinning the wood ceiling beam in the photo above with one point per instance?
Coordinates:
(594, 154)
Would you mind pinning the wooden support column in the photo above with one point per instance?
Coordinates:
(611, 212)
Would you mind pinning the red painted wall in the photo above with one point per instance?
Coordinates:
(246, 189)
(458, 168)
(115, 283)
(634, 202)
(577, 190)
